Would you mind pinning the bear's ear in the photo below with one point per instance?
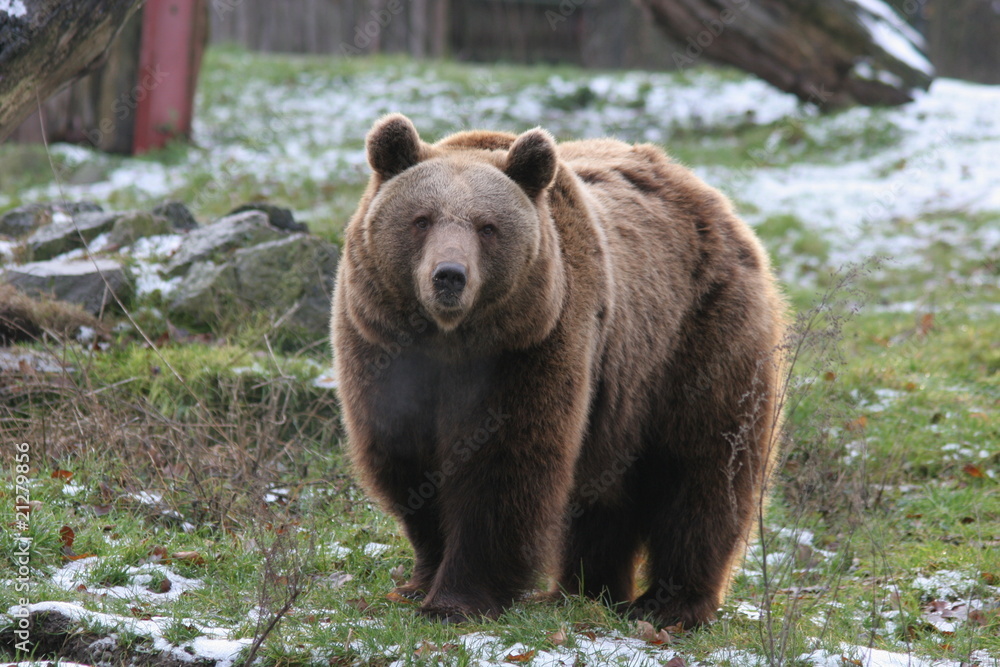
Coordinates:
(531, 161)
(393, 145)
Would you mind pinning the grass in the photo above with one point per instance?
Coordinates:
(893, 465)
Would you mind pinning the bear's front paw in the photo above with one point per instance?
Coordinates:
(459, 609)
(410, 591)
(688, 614)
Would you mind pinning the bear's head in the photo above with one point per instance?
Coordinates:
(463, 228)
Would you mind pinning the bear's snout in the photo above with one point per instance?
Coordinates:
(449, 281)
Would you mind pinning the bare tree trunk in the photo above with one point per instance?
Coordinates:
(45, 44)
(829, 52)
(97, 109)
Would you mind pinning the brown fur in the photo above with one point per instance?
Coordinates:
(605, 384)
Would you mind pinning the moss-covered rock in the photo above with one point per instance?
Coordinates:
(133, 226)
(59, 237)
(288, 280)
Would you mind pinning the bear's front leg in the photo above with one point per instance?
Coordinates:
(507, 473)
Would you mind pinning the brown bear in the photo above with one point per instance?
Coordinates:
(554, 359)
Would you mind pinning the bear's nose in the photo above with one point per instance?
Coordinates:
(449, 277)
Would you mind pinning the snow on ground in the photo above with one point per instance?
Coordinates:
(146, 582)
(214, 644)
(863, 200)
(486, 649)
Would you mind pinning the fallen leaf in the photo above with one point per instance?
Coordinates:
(140, 613)
(66, 536)
(520, 657)
(81, 588)
(675, 661)
(978, 415)
(973, 470)
(851, 661)
(910, 386)
(829, 376)
(425, 649)
(558, 638)
(100, 510)
(158, 554)
(966, 520)
(162, 587)
(988, 578)
(64, 475)
(926, 324)
(360, 604)
(398, 575)
(393, 596)
(858, 424)
(192, 557)
(645, 631)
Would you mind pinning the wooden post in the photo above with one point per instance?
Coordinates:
(172, 44)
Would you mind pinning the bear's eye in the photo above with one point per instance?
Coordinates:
(422, 223)
(488, 230)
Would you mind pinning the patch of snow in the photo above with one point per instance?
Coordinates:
(945, 584)
(13, 358)
(72, 489)
(326, 380)
(7, 250)
(147, 497)
(276, 495)
(751, 611)
(85, 334)
(485, 649)
(14, 8)
(155, 247)
(375, 549)
(871, 657)
(97, 244)
(337, 551)
(74, 574)
(874, 205)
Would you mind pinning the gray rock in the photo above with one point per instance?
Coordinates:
(289, 278)
(215, 241)
(178, 214)
(23, 220)
(76, 281)
(133, 226)
(206, 293)
(60, 237)
(279, 217)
